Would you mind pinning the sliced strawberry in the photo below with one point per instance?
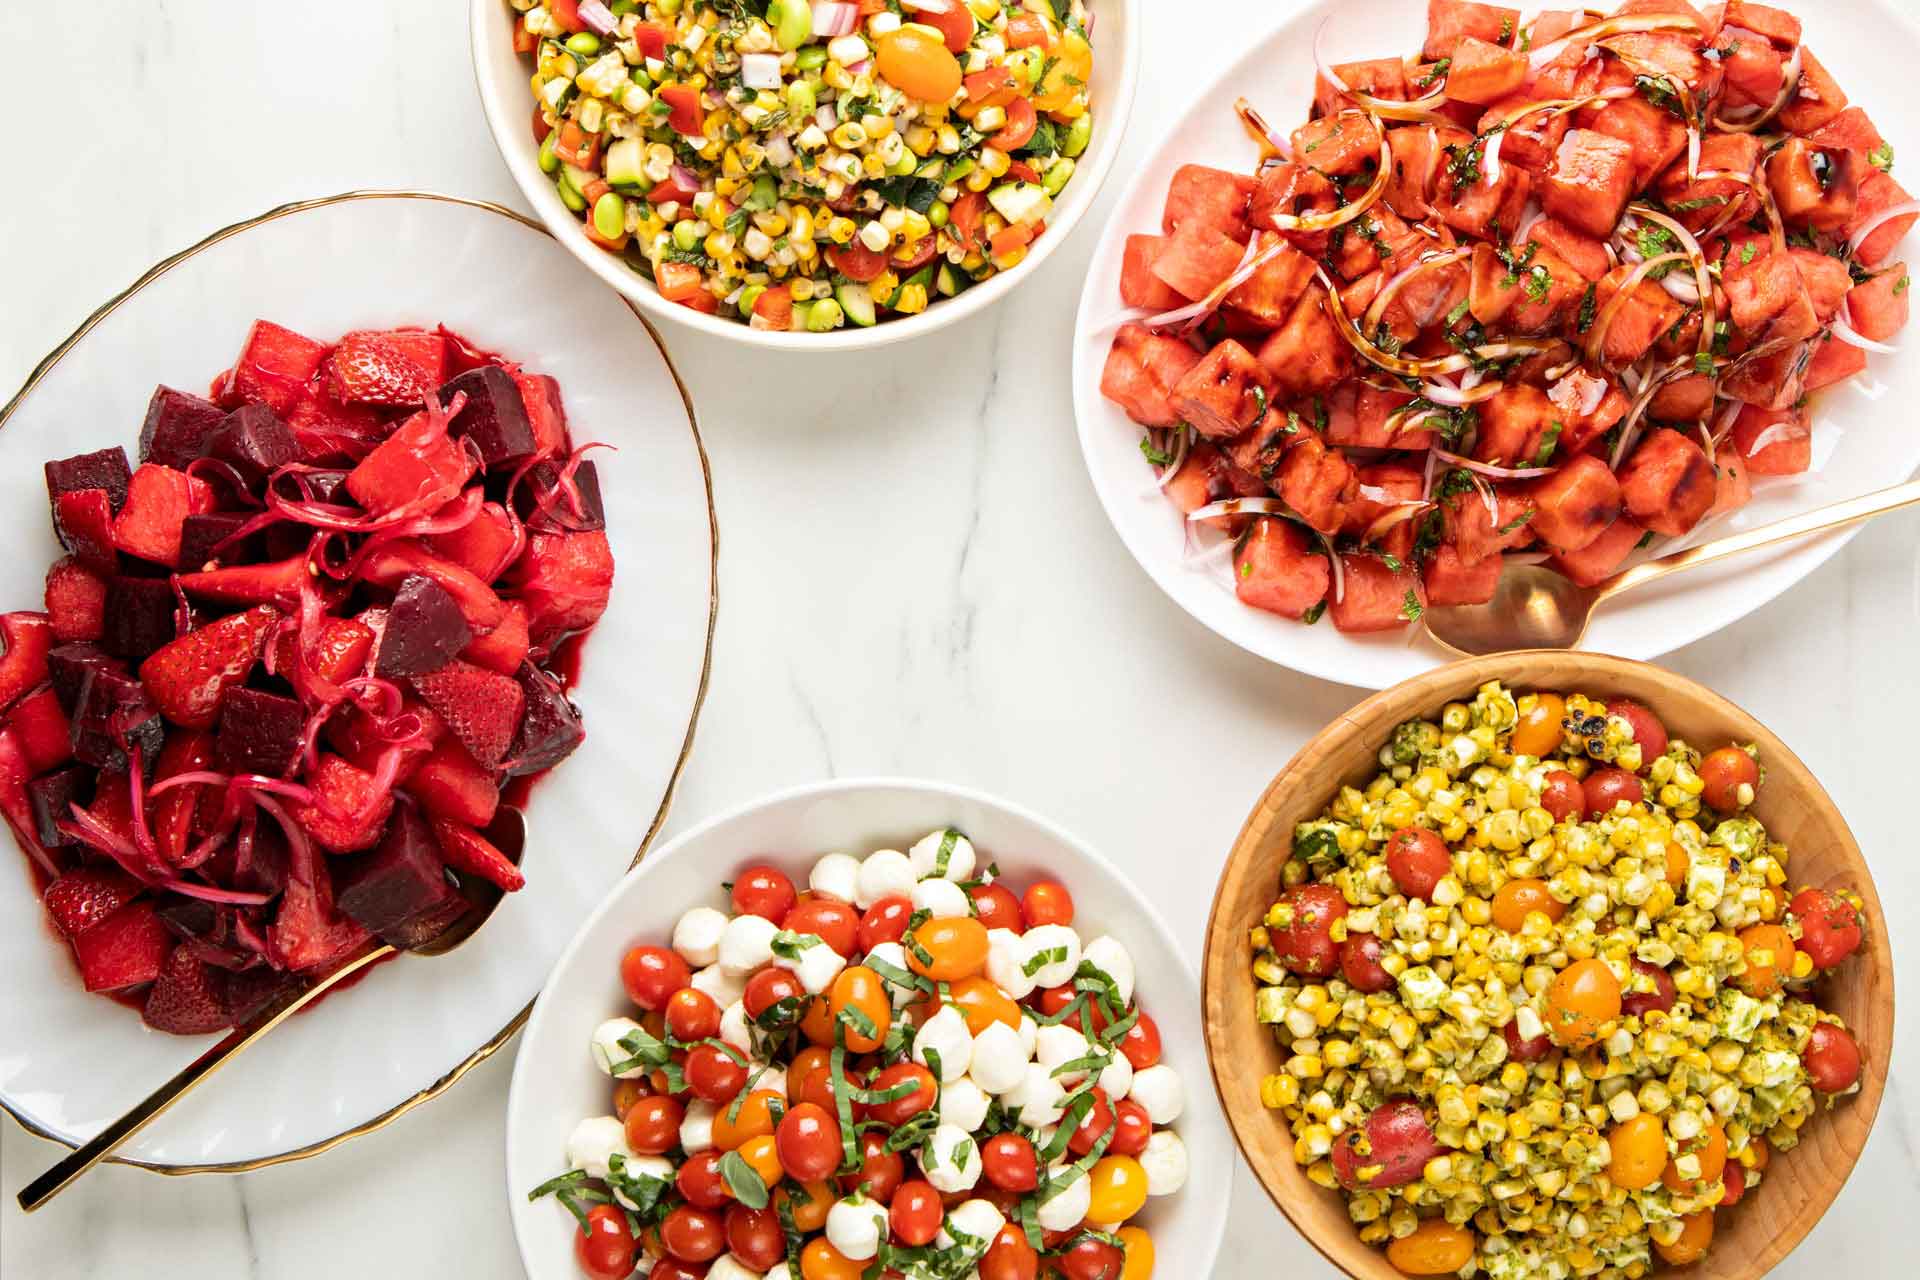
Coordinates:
(417, 468)
(352, 811)
(17, 804)
(481, 546)
(327, 431)
(85, 896)
(186, 678)
(83, 519)
(308, 933)
(186, 751)
(76, 600)
(426, 349)
(125, 950)
(372, 368)
(42, 728)
(278, 582)
(565, 580)
(467, 850)
(505, 647)
(159, 500)
(451, 785)
(482, 708)
(112, 805)
(28, 637)
(188, 996)
(274, 368)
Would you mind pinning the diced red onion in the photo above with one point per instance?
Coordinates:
(834, 18)
(760, 70)
(861, 67)
(1488, 469)
(1879, 220)
(596, 15)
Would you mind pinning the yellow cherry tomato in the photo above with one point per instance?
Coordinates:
(1711, 1148)
(859, 988)
(982, 1004)
(1769, 949)
(755, 1120)
(761, 1157)
(1069, 66)
(808, 1203)
(821, 1261)
(1139, 1247)
(916, 60)
(1584, 998)
(1537, 732)
(1119, 1189)
(816, 1024)
(1514, 899)
(1436, 1248)
(1639, 1148)
(1696, 1233)
(948, 950)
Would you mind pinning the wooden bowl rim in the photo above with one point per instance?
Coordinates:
(1430, 690)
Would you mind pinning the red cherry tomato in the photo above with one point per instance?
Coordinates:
(885, 921)
(1022, 122)
(1417, 858)
(1010, 1257)
(605, 1247)
(808, 1143)
(692, 1014)
(1046, 902)
(1724, 772)
(880, 1173)
(567, 14)
(755, 1238)
(1009, 1162)
(713, 1075)
(954, 24)
(1831, 1058)
(857, 262)
(653, 1125)
(1647, 729)
(1306, 946)
(1141, 1045)
(1734, 1178)
(996, 906)
(652, 974)
(1563, 796)
(900, 1110)
(1829, 926)
(764, 892)
(768, 988)
(700, 1181)
(1523, 1049)
(671, 1269)
(1131, 1128)
(916, 1214)
(834, 923)
(1392, 1147)
(1605, 788)
(694, 1235)
(1055, 999)
(1092, 1259)
(1661, 997)
(1360, 963)
(1098, 1120)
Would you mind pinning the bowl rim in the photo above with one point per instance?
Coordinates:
(1429, 689)
(680, 844)
(506, 1033)
(503, 120)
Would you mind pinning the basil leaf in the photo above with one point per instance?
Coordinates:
(748, 1187)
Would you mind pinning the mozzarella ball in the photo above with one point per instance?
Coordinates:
(1109, 957)
(781, 1271)
(734, 1026)
(1007, 963)
(696, 1128)
(964, 1104)
(1067, 1207)
(835, 876)
(856, 1226)
(885, 874)
(946, 1034)
(950, 1159)
(657, 1167)
(1117, 1078)
(594, 1141)
(725, 988)
(1158, 1089)
(697, 936)
(816, 966)
(1029, 1034)
(607, 1049)
(1165, 1161)
(925, 856)
(999, 1059)
(727, 1267)
(978, 1220)
(768, 1078)
(942, 899)
(1056, 948)
(892, 953)
(1038, 1098)
(747, 944)
(1058, 1045)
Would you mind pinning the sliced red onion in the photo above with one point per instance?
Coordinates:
(1849, 335)
(1461, 396)
(1612, 27)
(1190, 316)
(1239, 507)
(1785, 431)
(92, 832)
(760, 70)
(1578, 394)
(1724, 423)
(834, 18)
(1387, 521)
(212, 893)
(1879, 220)
(1377, 309)
(1693, 151)
(1597, 337)
(1753, 123)
(1339, 569)
(1207, 557)
(1420, 109)
(596, 15)
(1181, 437)
(1488, 469)
(1258, 124)
(861, 67)
(1490, 157)
(1647, 388)
(1320, 61)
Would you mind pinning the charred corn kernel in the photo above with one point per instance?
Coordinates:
(1278, 1091)
(911, 300)
(842, 230)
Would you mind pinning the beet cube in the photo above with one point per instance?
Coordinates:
(54, 795)
(494, 415)
(547, 506)
(328, 486)
(550, 728)
(245, 994)
(112, 717)
(400, 891)
(200, 534)
(425, 630)
(104, 469)
(140, 616)
(256, 865)
(177, 426)
(67, 667)
(259, 732)
(254, 440)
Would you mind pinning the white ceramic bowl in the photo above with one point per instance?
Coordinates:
(1862, 439)
(69, 1061)
(555, 1084)
(502, 77)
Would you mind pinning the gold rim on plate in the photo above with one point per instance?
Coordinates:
(507, 1032)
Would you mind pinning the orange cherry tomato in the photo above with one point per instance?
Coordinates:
(817, 1025)
(948, 950)
(918, 63)
(1769, 955)
(1537, 732)
(754, 1120)
(808, 1203)
(1516, 899)
(1584, 998)
(1139, 1247)
(761, 1157)
(1436, 1248)
(628, 1092)
(1711, 1148)
(1119, 1189)
(1010, 1257)
(982, 1004)
(1026, 30)
(860, 989)
(1696, 1233)
(1639, 1151)
(821, 1261)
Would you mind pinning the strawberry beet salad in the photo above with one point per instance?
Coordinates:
(1553, 287)
(291, 661)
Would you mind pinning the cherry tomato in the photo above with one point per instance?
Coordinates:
(1733, 1180)
(1583, 999)
(817, 1022)
(694, 1235)
(1131, 1128)
(1662, 997)
(880, 1172)
(1022, 123)
(1119, 1188)
(1537, 733)
(605, 1247)
(1098, 1120)
(755, 1238)
(948, 950)
(1054, 999)
(954, 23)
(1526, 1048)
(713, 1075)
(1515, 900)
(670, 1269)
(700, 1181)
(1638, 1148)
(1091, 1259)
(1010, 1257)
(762, 1158)
(856, 262)
(1008, 1161)
(1046, 902)
(1677, 862)
(1647, 729)
(1141, 1045)
(885, 921)
(1725, 771)
(652, 974)
(860, 989)
(966, 217)
(1436, 1248)
(1830, 928)
(1360, 963)
(768, 988)
(809, 1208)
(567, 14)
(1696, 1233)
(1392, 1147)
(653, 1125)
(995, 907)
(1562, 795)
(815, 1087)
(982, 1004)
(919, 64)
(1710, 1148)
(1417, 858)
(917, 1213)
(834, 923)
(1832, 1058)
(1306, 945)
(754, 1120)
(627, 1092)
(809, 1143)
(1605, 788)
(692, 1014)
(821, 1261)
(1769, 957)
(765, 892)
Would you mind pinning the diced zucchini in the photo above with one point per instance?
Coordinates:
(950, 281)
(625, 161)
(857, 301)
(1021, 202)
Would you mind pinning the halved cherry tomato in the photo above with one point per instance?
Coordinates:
(689, 115)
(1026, 30)
(964, 219)
(773, 309)
(856, 262)
(1007, 239)
(540, 126)
(612, 246)
(916, 255)
(1582, 999)
(1026, 173)
(1562, 796)
(652, 38)
(983, 86)
(1537, 733)
(577, 147)
(954, 23)
(1647, 729)
(567, 14)
(919, 65)
(1022, 123)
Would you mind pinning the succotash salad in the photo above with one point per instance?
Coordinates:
(803, 166)
(906, 1071)
(1546, 1004)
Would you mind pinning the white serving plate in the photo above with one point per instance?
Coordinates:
(1863, 440)
(502, 76)
(69, 1061)
(555, 1083)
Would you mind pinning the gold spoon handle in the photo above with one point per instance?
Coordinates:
(1839, 514)
(103, 1144)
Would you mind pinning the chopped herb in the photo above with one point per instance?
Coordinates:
(1646, 540)
(746, 1184)
(1515, 523)
(1549, 439)
(1539, 284)
(1506, 29)
(1312, 615)
(1900, 286)
(1458, 313)
(1703, 363)
(1260, 403)
(1041, 959)
(1317, 143)
(1881, 157)
(1702, 202)
(1152, 453)
(1411, 608)
(1659, 91)
(1747, 251)
(1589, 307)
(788, 945)
(1434, 74)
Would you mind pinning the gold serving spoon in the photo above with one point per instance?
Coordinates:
(1536, 608)
(508, 834)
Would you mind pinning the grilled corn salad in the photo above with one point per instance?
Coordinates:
(1545, 1002)
(804, 166)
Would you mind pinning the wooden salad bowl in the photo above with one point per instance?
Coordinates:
(1799, 1185)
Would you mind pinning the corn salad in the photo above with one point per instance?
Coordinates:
(1544, 1001)
(804, 166)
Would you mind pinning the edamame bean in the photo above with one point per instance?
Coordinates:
(937, 213)
(811, 59)
(549, 158)
(584, 43)
(1078, 134)
(686, 234)
(610, 216)
(765, 192)
(791, 20)
(800, 98)
(749, 296)
(824, 316)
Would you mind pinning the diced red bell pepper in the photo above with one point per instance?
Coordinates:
(677, 281)
(567, 14)
(1026, 31)
(689, 115)
(652, 38)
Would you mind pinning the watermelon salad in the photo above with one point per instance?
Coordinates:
(290, 664)
(1555, 288)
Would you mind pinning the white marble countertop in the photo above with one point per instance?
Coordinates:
(916, 579)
